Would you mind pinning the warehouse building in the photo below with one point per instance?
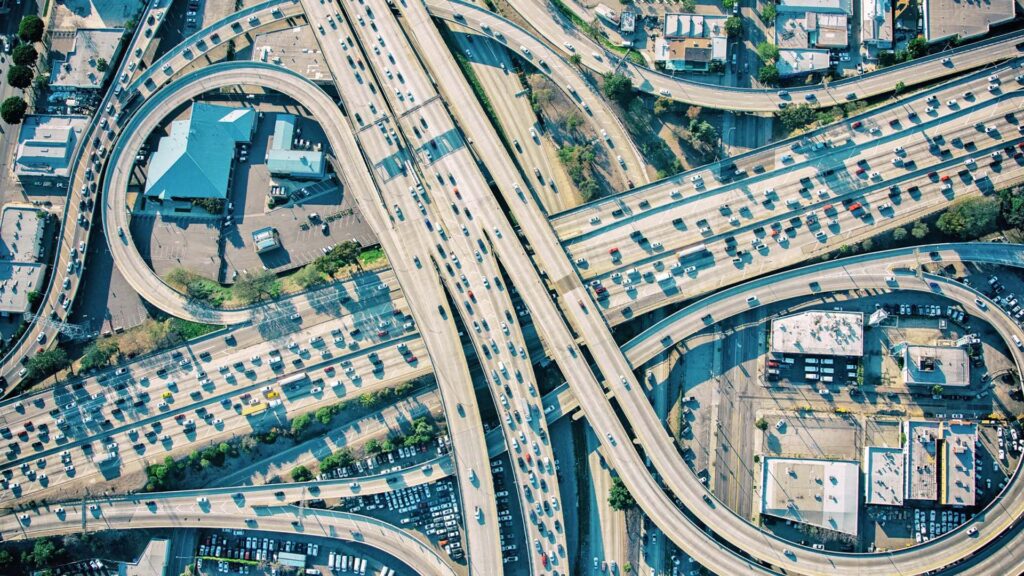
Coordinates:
(822, 493)
(883, 475)
(957, 477)
(284, 160)
(947, 19)
(78, 56)
(821, 333)
(45, 146)
(946, 366)
(196, 159)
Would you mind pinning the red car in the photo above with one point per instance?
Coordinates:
(856, 124)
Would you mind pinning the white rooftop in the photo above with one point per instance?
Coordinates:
(821, 493)
(79, 69)
(883, 475)
(921, 469)
(46, 143)
(819, 332)
(958, 477)
(931, 365)
(794, 61)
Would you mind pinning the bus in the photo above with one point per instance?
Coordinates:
(696, 251)
(250, 409)
(293, 379)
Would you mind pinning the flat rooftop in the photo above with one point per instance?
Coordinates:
(921, 469)
(791, 30)
(295, 49)
(21, 234)
(79, 67)
(931, 365)
(793, 62)
(965, 18)
(876, 22)
(827, 6)
(821, 493)
(694, 26)
(153, 560)
(46, 144)
(883, 475)
(958, 477)
(819, 332)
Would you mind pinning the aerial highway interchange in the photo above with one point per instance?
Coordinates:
(505, 303)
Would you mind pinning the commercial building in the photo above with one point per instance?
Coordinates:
(957, 478)
(821, 6)
(821, 493)
(876, 23)
(292, 560)
(153, 562)
(79, 56)
(45, 147)
(806, 61)
(21, 254)
(883, 475)
(265, 240)
(946, 19)
(946, 366)
(691, 42)
(818, 332)
(284, 160)
(196, 159)
(921, 453)
(627, 23)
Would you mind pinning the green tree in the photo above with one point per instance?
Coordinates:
(33, 297)
(372, 446)
(769, 12)
(31, 28)
(99, 353)
(618, 87)
(733, 26)
(1013, 207)
(44, 552)
(102, 65)
(301, 474)
(969, 218)
(761, 424)
(938, 389)
(688, 6)
(19, 76)
(703, 133)
(13, 109)
(899, 234)
(300, 424)
(308, 276)
(46, 363)
(24, 55)
(6, 561)
(576, 60)
(919, 230)
(917, 47)
(768, 74)
(254, 287)
(728, 5)
(573, 121)
(899, 87)
(796, 117)
(619, 497)
(663, 105)
(768, 52)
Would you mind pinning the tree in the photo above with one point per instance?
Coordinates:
(688, 6)
(99, 353)
(899, 234)
(44, 551)
(300, 424)
(969, 218)
(372, 446)
(46, 363)
(703, 133)
(768, 74)
(937, 389)
(767, 52)
(301, 474)
(663, 106)
(253, 287)
(19, 76)
(917, 47)
(769, 12)
(308, 276)
(618, 87)
(796, 117)
(733, 26)
(761, 424)
(6, 561)
(899, 87)
(12, 110)
(573, 121)
(30, 29)
(728, 5)
(24, 55)
(1013, 207)
(919, 230)
(102, 65)
(619, 497)
(576, 60)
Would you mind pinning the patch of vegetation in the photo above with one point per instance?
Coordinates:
(301, 474)
(46, 363)
(197, 287)
(640, 122)
(578, 161)
(761, 424)
(339, 459)
(618, 87)
(257, 286)
(968, 218)
(619, 497)
(796, 117)
(345, 254)
(733, 26)
(371, 257)
(769, 13)
(214, 206)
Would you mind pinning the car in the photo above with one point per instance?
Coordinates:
(751, 299)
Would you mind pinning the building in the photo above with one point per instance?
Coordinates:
(46, 145)
(947, 19)
(691, 42)
(284, 160)
(627, 23)
(802, 61)
(883, 475)
(817, 332)
(921, 453)
(957, 477)
(821, 6)
(821, 493)
(265, 240)
(946, 366)
(152, 562)
(876, 23)
(292, 560)
(196, 159)
(21, 254)
(77, 57)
